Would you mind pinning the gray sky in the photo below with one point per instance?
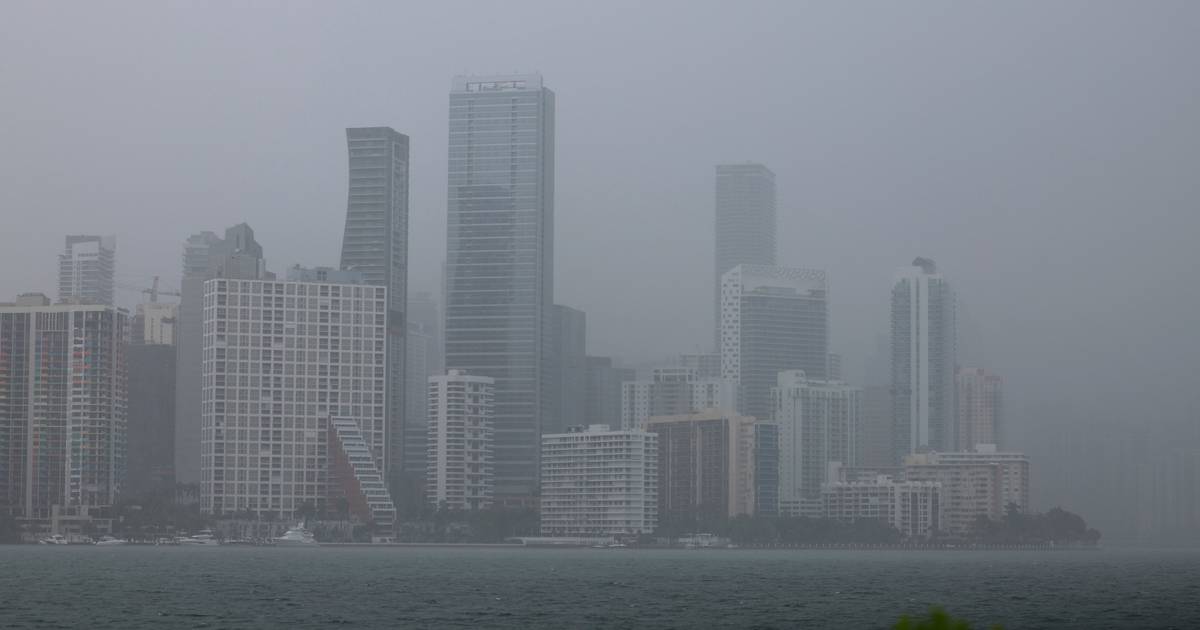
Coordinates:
(1046, 155)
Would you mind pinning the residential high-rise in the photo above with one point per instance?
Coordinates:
(602, 399)
(152, 361)
(980, 394)
(707, 365)
(500, 257)
(914, 508)
(461, 469)
(705, 465)
(599, 482)
(86, 269)
(205, 256)
(818, 425)
(745, 223)
(62, 413)
(565, 369)
(375, 243)
(672, 391)
(283, 363)
(422, 359)
(923, 351)
(772, 319)
(978, 483)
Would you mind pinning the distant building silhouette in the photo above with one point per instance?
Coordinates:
(923, 360)
(86, 270)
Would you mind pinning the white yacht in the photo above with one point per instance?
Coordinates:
(297, 536)
(57, 539)
(203, 538)
(108, 541)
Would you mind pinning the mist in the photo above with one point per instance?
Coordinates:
(1044, 154)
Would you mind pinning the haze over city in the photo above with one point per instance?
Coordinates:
(1045, 155)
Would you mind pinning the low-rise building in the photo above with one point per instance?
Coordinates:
(914, 508)
(599, 482)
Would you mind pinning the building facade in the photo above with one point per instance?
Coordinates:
(375, 244)
(151, 410)
(923, 356)
(280, 360)
(973, 485)
(500, 257)
(63, 414)
(744, 223)
(205, 256)
(913, 508)
(672, 391)
(599, 482)
(86, 270)
(818, 425)
(705, 465)
(566, 369)
(602, 398)
(980, 397)
(461, 442)
(772, 319)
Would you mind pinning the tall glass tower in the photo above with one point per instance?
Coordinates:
(375, 244)
(745, 222)
(500, 258)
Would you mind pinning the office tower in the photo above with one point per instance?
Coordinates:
(375, 243)
(566, 369)
(745, 224)
(672, 391)
(151, 358)
(205, 256)
(978, 483)
(461, 467)
(772, 319)
(599, 482)
(980, 394)
(62, 413)
(705, 465)
(86, 269)
(818, 424)
(284, 362)
(875, 431)
(602, 400)
(923, 338)
(500, 257)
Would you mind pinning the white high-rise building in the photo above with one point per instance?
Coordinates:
(923, 356)
(772, 319)
(818, 425)
(914, 508)
(672, 391)
(461, 441)
(280, 360)
(599, 482)
(86, 270)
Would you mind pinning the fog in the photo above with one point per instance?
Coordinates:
(1044, 154)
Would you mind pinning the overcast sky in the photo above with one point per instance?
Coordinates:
(1045, 154)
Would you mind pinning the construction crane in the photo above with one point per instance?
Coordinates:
(153, 292)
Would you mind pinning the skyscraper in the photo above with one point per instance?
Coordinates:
(152, 363)
(672, 391)
(500, 257)
(818, 425)
(566, 373)
(772, 319)
(205, 256)
(705, 465)
(86, 269)
(923, 357)
(62, 412)
(375, 243)
(459, 474)
(980, 395)
(602, 400)
(745, 222)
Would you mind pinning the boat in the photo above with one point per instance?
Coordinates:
(297, 536)
(203, 538)
(108, 541)
(57, 539)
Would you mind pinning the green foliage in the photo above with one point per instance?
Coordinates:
(1056, 526)
(937, 619)
(160, 512)
(492, 525)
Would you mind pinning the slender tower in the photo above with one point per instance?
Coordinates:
(375, 244)
(745, 224)
(500, 258)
